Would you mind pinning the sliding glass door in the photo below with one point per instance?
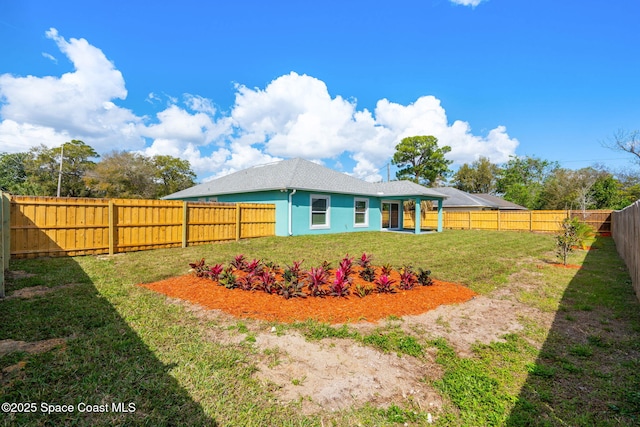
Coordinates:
(390, 215)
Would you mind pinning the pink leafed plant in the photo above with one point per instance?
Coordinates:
(346, 265)
(407, 279)
(214, 272)
(316, 278)
(340, 285)
(384, 285)
(365, 260)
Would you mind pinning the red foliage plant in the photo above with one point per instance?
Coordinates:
(291, 282)
(384, 284)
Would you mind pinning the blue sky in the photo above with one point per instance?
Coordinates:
(228, 85)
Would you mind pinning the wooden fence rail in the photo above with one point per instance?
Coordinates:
(51, 226)
(626, 233)
(536, 221)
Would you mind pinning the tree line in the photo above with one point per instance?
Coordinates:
(119, 174)
(531, 182)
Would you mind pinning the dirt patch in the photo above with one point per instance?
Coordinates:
(34, 347)
(482, 319)
(269, 307)
(19, 274)
(35, 291)
(336, 374)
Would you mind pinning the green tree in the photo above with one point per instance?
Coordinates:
(421, 160)
(134, 176)
(13, 176)
(558, 190)
(42, 167)
(521, 180)
(479, 177)
(172, 174)
(629, 188)
(570, 189)
(606, 193)
(125, 175)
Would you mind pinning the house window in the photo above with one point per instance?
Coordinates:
(361, 212)
(320, 215)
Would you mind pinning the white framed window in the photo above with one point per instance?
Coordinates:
(360, 212)
(320, 215)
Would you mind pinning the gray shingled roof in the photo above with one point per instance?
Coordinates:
(499, 202)
(462, 199)
(302, 175)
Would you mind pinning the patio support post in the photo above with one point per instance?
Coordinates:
(440, 215)
(418, 215)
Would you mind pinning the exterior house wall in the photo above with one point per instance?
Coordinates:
(341, 210)
(341, 213)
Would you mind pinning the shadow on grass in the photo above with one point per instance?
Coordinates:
(588, 370)
(97, 360)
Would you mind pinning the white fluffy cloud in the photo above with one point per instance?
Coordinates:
(427, 117)
(294, 115)
(472, 3)
(78, 103)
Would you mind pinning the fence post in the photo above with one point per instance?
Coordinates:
(469, 220)
(6, 226)
(112, 216)
(185, 224)
(499, 228)
(238, 221)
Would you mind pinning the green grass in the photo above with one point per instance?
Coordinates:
(128, 344)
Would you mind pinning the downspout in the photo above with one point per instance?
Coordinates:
(290, 203)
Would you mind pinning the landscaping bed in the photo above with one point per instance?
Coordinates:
(354, 291)
(271, 307)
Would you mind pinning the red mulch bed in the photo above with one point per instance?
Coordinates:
(269, 307)
(570, 266)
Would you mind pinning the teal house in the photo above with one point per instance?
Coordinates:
(313, 199)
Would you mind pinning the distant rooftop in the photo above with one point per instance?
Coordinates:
(462, 199)
(499, 202)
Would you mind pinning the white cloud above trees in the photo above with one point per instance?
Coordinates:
(293, 115)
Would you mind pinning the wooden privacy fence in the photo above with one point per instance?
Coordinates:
(51, 226)
(535, 221)
(5, 232)
(626, 233)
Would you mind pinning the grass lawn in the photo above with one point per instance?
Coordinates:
(576, 362)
